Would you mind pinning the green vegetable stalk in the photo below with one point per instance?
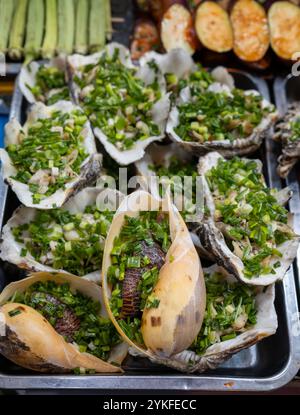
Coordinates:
(50, 40)
(34, 29)
(6, 15)
(66, 26)
(81, 31)
(97, 25)
(17, 34)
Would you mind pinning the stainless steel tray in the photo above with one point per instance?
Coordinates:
(268, 365)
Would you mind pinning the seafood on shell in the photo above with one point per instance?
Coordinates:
(169, 326)
(182, 178)
(12, 249)
(287, 132)
(191, 361)
(147, 74)
(233, 251)
(30, 340)
(239, 145)
(90, 168)
(29, 83)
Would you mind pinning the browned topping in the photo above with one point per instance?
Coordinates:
(155, 321)
(130, 293)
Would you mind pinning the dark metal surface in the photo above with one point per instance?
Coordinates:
(287, 91)
(268, 365)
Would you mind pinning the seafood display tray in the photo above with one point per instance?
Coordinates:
(268, 365)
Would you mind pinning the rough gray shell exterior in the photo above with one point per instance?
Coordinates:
(290, 149)
(238, 147)
(213, 242)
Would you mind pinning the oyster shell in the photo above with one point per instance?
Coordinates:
(290, 141)
(159, 111)
(266, 325)
(162, 156)
(174, 322)
(11, 249)
(239, 146)
(27, 79)
(178, 62)
(90, 168)
(32, 342)
(212, 234)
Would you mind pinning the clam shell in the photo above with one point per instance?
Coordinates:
(240, 146)
(32, 342)
(159, 110)
(180, 287)
(290, 149)
(90, 168)
(216, 354)
(28, 75)
(214, 242)
(11, 249)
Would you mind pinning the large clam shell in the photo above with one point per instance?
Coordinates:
(28, 73)
(159, 110)
(11, 249)
(180, 287)
(290, 149)
(216, 354)
(31, 342)
(240, 146)
(214, 243)
(90, 168)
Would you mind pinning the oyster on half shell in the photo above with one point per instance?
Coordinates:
(222, 342)
(84, 232)
(34, 341)
(192, 121)
(127, 104)
(42, 178)
(287, 131)
(246, 228)
(161, 290)
(45, 83)
(165, 166)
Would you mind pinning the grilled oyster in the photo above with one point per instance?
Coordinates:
(246, 229)
(287, 131)
(170, 165)
(231, 121)
(127, 105)
(70, 239)
(153, 284)
(236, 318)
(180, 71)
(45, 329)
(46, 83)
(51, 157)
